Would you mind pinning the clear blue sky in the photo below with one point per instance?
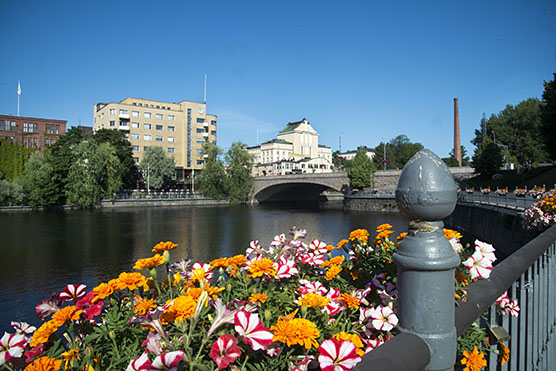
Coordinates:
(363, 70)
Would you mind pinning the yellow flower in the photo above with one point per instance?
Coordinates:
(182, 309)
(355, 340)
(504, 354)
(150, 263)
(102, 291)
(132, 280)
(70, 313)
(116, 284)
(330, 248)
(261, 298)
(164, 246)
(337, 260)
(296, 331)
(332, 272)
(383, 227)
(449, 234)
(383, 234)
(264, 266)
(142, 306)
(360, 234)
(42, 334)
(401, 236)
(462, 278)
(216, 263)
(69, 357)
(354, 274)
(44, 364)
(313, 300)
(351, 301)
(473, 361)
(341, 244)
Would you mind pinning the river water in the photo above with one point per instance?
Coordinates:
(41, 252)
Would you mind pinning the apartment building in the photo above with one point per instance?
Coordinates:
(179, 128)
(31, 132)
(295, 150)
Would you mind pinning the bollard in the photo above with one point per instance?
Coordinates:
(426, 262)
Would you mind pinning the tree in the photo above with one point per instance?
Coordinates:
(160, 167)
(359, 173)
(124, 152)
(11, 193)
(451, 160)
(518, 128)
(239, 164)
(12, 159)
(339, 162)
(487, 158)
(398, 151)
(548, 117)
(38, 181)
(212, 180)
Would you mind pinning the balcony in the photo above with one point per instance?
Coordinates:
(123, 127)
(205, 124)
(205, 135)
(124, 116)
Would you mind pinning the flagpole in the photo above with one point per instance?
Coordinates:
(18, 95)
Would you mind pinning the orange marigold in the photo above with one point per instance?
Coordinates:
(332, 272)
(296, 331)
(132, 280)
(217, 263)
(401, 236)
(337, 260)
(383, 234)
(150, 263)
(164, 246)
(44, 364)
(116, 284)
(261, 298)
(313, 300)
(473, 361)
(383, 227)
(449, 234)
(355, 340)
(143, 306)
(351, 301)
(70, 313)
(504, 355)
(360, 234)
(182, 309)
(263, 266)
(102, 291)
(237, 260)
(42, 334)
(341, 244)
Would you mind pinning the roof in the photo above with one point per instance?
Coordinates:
(323, 146)
(279, 141)
(291, 126)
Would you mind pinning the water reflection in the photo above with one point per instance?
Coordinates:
(43, 251)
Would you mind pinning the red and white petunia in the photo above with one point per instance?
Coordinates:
(311, 258)
(311, 287)
(254, 251)
(286, 268)
(318, 247)
(297, 232)
(478, 265)
(167, 361)
(513, 308)
(140, 363)
(49, 306)
(73, 292)
(334, 306)
(251, 329)
(278, 240)
(383, 319)
(223, 315)
(225, 351)
(487, 250)
(371, 343)
(23, 328)
(337, 355)
(11, 346)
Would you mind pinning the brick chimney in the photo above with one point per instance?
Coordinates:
(457, 142)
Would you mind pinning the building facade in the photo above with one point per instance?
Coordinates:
(180, 129)
(349, 155)
(31, 132)
(295, 150)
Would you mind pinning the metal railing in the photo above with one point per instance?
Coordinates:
(509, 201)
(173, 194)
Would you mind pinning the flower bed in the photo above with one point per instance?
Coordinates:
(542, 213)
(288, 306)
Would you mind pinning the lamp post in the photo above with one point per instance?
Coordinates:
(384, 158)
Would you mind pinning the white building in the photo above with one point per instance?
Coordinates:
(349, 155)
(295, 150)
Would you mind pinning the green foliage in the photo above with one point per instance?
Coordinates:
(124, 152)
(212, 180)
(160, 167)
(359, 173)
(238, 171)
(12, 159)
(340, 163)
(38, 182)
(488, 158)
(11, 193)
(548, 117)
(398, 151)
(519, 128)
(451, 160)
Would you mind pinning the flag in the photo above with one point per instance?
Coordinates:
(18, 88)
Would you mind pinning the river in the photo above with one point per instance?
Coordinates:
(41, 252)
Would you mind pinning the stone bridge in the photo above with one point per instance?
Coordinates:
(297, 187)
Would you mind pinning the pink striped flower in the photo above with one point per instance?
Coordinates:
(478, 265)
(313, 287)
(337, 355)
(140, 363)
(513, 308)
(383, 319)
(487, 250)
(254, 250)
(250, 327)
(167, 361)
(225, 351)
(297, 232)
(11, 346)
(49, 306)
(73, 292)
(278, 240)
(23, 328)
(318, 247)
(286, 268)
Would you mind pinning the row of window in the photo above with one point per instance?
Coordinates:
(137, 149)
(149, 105)
(52, 129)
(30, 142)
(147, 115)
(7, 125)
(30, 127)
(157, 138)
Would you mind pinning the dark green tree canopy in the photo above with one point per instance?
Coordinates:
(124, 152)
(488, 158)
(451, 160)
(160, 167)
(548, 117)
(212, 181)
(239, 164)
(359, 173)
(398, 151)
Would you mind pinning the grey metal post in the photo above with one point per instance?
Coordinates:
(426, 261)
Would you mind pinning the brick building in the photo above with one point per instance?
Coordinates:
(31, 132)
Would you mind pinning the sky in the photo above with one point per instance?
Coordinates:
(361, 72)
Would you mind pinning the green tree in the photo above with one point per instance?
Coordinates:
(451, 159)
(359, 173)
(398, 151)
(161, 168)
(212, 180)
(38, 181)
(339, 162)
(548, 117)
(94, 175)
(124, 152)
(11, 193)
(517, 127)
(487, 158)
(12, 159)
(239, 165)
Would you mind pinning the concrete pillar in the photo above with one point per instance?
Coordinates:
(426, 262)
(457, 141)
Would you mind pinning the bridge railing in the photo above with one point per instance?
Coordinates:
(172, 194)
(509, 201)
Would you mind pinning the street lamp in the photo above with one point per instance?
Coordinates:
(384, 159)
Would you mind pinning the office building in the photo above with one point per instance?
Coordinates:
(31, 132)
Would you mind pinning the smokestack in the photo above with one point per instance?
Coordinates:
(457, 142)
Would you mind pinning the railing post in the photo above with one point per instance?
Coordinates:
(426, 261)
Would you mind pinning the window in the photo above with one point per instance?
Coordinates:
(157, 106)
(112, 111)
(199, 162)
(171, 117)
(147, 126)
(136, 159)
(140, 104)
(159, 116)
(171, 128)
(145, 148)
(123, 123)
(124, 112)
(112, 123)
(147, 137)
(35, 142)
(135, 113)
(135, 125)
(200, 141)
(135, 148)
(158, 138)
(200, 130)
(213, 132)
(134, 136)
(213, 122)
(134, 104)
(171, 150)
(171, 140)
(152, 106)
(159, 127)
(199, 151)
(200, 120)
(147, 115)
